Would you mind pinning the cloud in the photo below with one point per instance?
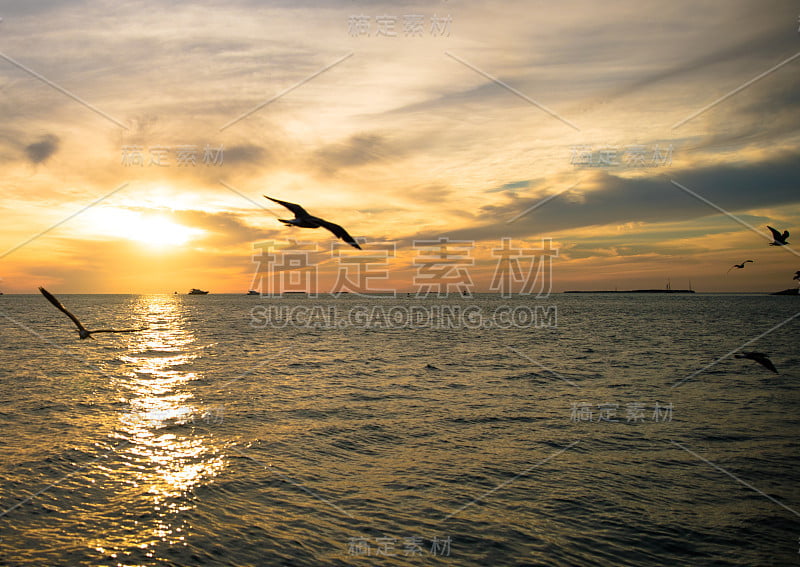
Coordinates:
(429, 193)
(246, 154)
(766, 46)
(41, 151)
(357, 150)
(612, 199)
(224, 229)
(766, 115)
(404, 139)
(511, 186)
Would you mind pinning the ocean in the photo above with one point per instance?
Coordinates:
(239, 430)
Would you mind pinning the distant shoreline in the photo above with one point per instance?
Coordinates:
(641, 291)
(406, 295)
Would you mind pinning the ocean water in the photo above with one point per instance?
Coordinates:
(572, 430)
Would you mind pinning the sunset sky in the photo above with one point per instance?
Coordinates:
(452, 129)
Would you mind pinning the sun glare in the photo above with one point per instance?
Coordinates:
(150, 229)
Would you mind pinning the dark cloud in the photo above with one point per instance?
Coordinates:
(511, 186)
(246, 154)
(357, 150)
(610, 199)
(40, 152)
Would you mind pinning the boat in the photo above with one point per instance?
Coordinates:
(195, 291)
(253, 292)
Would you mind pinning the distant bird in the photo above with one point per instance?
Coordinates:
(796, 275)
(778, 238)
(81, 329)
(305, 220)
(740, 266)
(759, 357)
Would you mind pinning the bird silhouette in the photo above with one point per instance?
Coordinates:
(796, 275)
(740, 266)
(778, 239)
(305, 220)
(759, 357)
(82, 331)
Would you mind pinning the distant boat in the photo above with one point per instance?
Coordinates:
(252, 292)
(195, 291)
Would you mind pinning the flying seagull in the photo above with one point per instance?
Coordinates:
(759, 357)
(81, 329)
(796, 275)
(778, 238)
(740, 266)
(304, 220)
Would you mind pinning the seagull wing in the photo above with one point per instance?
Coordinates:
(52, 299)
(759, 357)
(339, 232)
(765, 362)
(751, 261)
(296, 209)
(729, 269)
(775, 234)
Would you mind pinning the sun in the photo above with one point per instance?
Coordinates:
(152, 229)
(162, 231)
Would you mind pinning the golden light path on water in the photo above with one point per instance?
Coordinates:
(166, 457)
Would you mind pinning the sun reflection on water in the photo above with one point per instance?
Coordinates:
(167, 457)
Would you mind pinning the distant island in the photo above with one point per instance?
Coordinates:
(790, 291)
(637, 291)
